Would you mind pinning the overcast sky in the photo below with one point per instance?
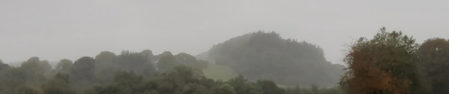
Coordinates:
(56, 29)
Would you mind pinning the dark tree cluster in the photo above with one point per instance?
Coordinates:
(167, 61)
(36, 76)
(188, 80)
(81, 78)
(434, 55)
(32, 73)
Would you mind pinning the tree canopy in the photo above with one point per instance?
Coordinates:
(434, 55)
(386, 64)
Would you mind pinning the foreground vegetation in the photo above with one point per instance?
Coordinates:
(134, 73)
(182, 79)
(392, 63)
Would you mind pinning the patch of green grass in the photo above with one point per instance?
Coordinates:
(219, 72)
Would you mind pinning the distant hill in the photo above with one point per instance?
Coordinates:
(267, 56)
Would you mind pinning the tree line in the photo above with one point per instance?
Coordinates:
(388, 63)
(131, 73)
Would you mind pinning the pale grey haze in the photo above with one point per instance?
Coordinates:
(56, 29)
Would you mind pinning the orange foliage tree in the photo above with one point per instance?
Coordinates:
(384, 65)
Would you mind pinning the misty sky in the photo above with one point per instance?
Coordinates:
(56, 29)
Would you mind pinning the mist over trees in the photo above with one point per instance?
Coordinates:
(265, 55)
(389, 63)
(83, 72)
(36, 76)
(108, 73)
(146, 73)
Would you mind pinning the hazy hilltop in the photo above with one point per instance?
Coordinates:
(265, 55)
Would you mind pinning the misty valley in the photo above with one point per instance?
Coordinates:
(255, 63)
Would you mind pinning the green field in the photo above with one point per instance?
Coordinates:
(219, 72)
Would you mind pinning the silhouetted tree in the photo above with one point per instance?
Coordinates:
(4, 69)
(64, 66)
(106, 65)
(105, 58)
(166, 61)
(434, 55)
(35, 71)
(3, 66)
(82, 72)
(140, 63)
